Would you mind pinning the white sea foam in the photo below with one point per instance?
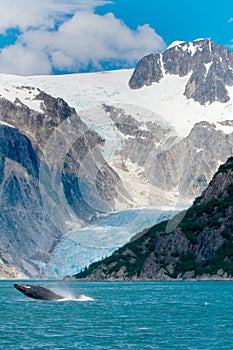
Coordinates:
(80, 298)
(70, 295)
(84, 297)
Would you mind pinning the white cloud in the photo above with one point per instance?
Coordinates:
(17, 59)
(24, 14)
(83, 40)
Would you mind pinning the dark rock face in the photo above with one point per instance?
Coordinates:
(148, 70)
(197, 243)
(17, 147)
(210, 67)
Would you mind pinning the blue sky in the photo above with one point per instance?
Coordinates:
(178, 20)
(67, 36)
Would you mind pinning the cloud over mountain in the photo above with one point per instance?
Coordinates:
(58, 36)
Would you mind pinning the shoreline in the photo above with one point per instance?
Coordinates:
(197, 279)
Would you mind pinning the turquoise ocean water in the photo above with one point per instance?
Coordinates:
(137, 315)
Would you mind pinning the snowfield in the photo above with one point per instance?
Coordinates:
(88, 90)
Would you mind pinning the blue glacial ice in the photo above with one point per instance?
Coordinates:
(81, 247)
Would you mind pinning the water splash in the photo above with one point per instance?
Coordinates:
(80, 298)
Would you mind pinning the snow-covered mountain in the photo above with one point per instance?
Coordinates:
(210, 67)
(156, 136)
(156, 97)
(165, 97)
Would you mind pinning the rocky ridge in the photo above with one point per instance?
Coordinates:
(198, 246)
(209, 68)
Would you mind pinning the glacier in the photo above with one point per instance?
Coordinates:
(82, 246)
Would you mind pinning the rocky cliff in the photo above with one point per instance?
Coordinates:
(200, 245)
(27, 234)
(209, 68)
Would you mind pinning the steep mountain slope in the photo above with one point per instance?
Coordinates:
(63, 142)
(22, 216)
(202, 244)
(41, 151)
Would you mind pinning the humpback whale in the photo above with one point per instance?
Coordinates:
(37, 292)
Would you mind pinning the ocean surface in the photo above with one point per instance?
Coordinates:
(134, 315)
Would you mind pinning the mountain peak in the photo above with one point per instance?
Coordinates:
(175, 43)
(208, 67)
(186, 45)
